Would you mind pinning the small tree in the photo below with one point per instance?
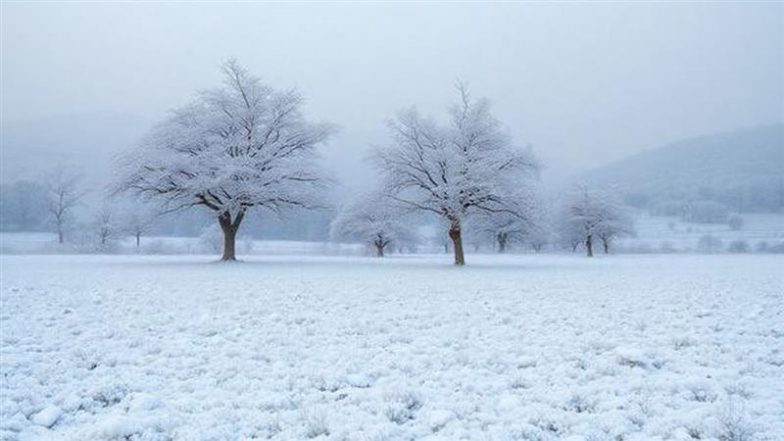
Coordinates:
(105, 226)
(372, 219)
(516, 225)
(709, 243)
(735, 222)
(237, 147)
(64, 196)
(590, 214)
(137, 219)
(454, 171)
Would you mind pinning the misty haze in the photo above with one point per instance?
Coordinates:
(392, 221)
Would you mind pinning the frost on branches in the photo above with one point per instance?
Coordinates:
(373, 219)
(239, 146)
(457, 170)
(524, 224)
(591, 214)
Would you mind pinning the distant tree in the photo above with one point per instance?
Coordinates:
(703, 211)
(136, 219)
(454, 171)
(591, 214)
(64, 196)
(105, 225)
(236, 147)
(373, 219)
(514, 226)
(541, 235)
(738, 246)
(709, 244)
(735, 222)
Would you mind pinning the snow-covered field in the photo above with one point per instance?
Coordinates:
(509, 348)
(663, 233)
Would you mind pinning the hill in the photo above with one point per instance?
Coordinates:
(743, 170)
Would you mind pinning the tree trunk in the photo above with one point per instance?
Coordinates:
(589, 246)
(229, 228)
(60, 238)
(138, 239)
(457, 241)
(606, 245)
(379, 250)
(501, 243)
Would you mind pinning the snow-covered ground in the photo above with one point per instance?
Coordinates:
(668, 233)
(46, 243)
(509, 348)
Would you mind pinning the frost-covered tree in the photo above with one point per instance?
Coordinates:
(373, 219)
(237, 147)
(105, 225)
(590, 214)
(136, 219)
(455, 170)
(514, 226)
(64, 196)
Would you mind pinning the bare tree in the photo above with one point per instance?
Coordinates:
(466, 167)
(373, 219)
(64, 196)
(514, 226)
(105, 225)
(136, 219)
(236, 147)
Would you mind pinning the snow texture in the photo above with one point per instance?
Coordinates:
(335, 348)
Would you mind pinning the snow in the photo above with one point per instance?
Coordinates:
(668, 347)
(654, 233)
(47, 417)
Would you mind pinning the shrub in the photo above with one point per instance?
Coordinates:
(738, 246)
(707, 212)
(401, 406)
(735, 222)
(709, 244)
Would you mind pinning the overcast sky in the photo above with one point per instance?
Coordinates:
(583, 83)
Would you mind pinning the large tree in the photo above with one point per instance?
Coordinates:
(375, 220)
(239, 146)
(467, 166)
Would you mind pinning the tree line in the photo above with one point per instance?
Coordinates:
(246, 146)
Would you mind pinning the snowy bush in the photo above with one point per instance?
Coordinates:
(316, 424)
(777, 248)
(667, 247)
(735, 222)
(733, 425)
(707, 212)
(401, 405)
(738, 246)
(709, 244)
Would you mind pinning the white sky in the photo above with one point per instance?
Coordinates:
(583, 83)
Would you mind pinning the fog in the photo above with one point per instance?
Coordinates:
(584, 84)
